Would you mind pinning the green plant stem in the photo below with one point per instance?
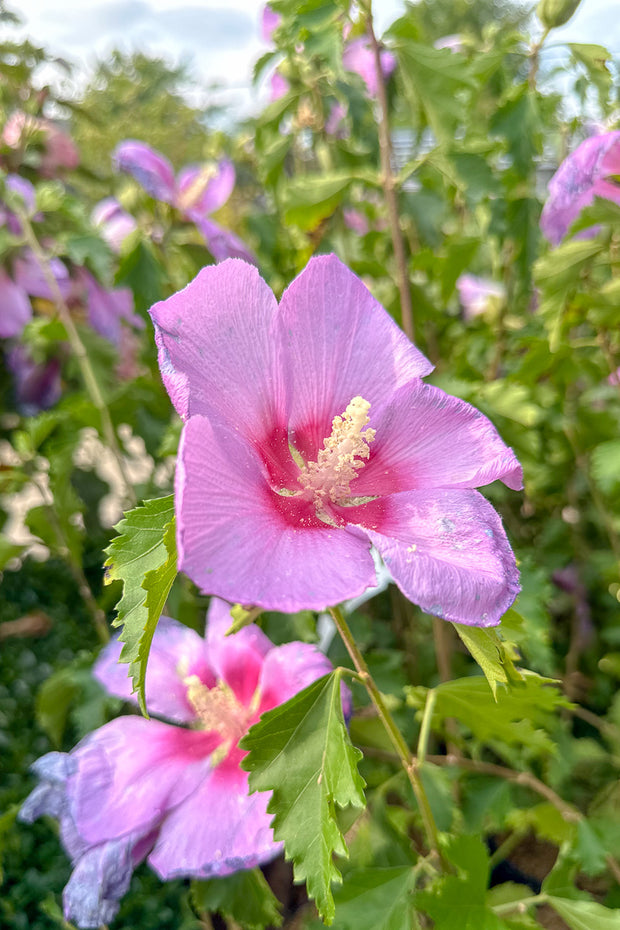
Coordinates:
(521, 904)
(79, 350)
(425, 729)
(389, 184)
(409, 762)
(504, 849)
(75, 566)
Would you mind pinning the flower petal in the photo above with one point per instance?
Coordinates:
(448, 553)
(98, 882)
(148, 167)
(429, 439)
(236, 659)
(15, 309)
(239, 539)
(340, 343)
(221, 243)
(176, 652)
(220, 348)
(205, 188)
(130, 772)
(289, 669)
(219, 829)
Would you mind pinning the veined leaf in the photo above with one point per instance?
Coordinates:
(586, 915)
(243, 897)
(377, 899)
(495, 657)
(144, 558)
(302, 752)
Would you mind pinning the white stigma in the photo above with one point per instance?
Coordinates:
(329, 478)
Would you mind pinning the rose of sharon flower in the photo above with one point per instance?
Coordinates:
(581, 177)
(58, 149)
(140, 788)
(359, 57)
(478, 294)
(37, 386)
(114, 223)
(309, 436)
(196, 192)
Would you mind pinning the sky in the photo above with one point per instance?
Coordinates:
(220, 39)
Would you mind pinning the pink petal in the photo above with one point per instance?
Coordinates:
(270, 21)
(340, 343)
(30, 277)
(219, 829)
(205, 196)
(222, 243)
(239, 539)
(236, 659)
(15, 309)
(428, 439)
(148, 167)
(360, 58)
(130, 772)
(289, 669)
(448, 553)
(176, 652)
(220, 347)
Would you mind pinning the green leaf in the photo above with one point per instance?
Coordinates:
(143, 557)
(437, 81)
(495, 657)
(458, 902)
(514, 717)
(8, 550)
(376, 899)
(302, 752)
(309, 199)
(586, 915)
(605, 465)
(243, 897)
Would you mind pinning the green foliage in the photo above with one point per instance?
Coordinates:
(376, 899)
(143, 557)
(302, 752)
(243, 897)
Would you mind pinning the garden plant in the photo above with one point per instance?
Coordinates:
(310, 481)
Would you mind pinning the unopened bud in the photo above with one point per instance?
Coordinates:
(554, 13)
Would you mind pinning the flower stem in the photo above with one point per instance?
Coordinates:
(389, 183)
(79, 350)
(409, 762)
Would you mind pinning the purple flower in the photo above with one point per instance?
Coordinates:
(24, 189)
(478, 294)
(107, 309)
(356, 221)
(358, 56)
(114, 223)
(198, 191)
(270, 20)
(58, 149)
(30, 278)
(140, 788)
(580, 178)
(281, 483)
(37, 385)
(15, 309)
(278, 86)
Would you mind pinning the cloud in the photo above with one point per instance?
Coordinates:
(215, 28)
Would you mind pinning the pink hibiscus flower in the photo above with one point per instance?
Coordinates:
(477, 295)
(309, 436)
(359, 57)
(196, 192)
(176, 796)
(581, 177)
(114, 223)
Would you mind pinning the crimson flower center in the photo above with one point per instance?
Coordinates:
(328, 480)
(219, 711)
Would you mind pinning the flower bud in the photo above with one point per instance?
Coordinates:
(554, 13)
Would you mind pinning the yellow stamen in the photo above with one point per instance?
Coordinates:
(338, 462)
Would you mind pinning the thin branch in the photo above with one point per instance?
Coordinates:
(389, 185)
(409, 762)
(79, 350)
